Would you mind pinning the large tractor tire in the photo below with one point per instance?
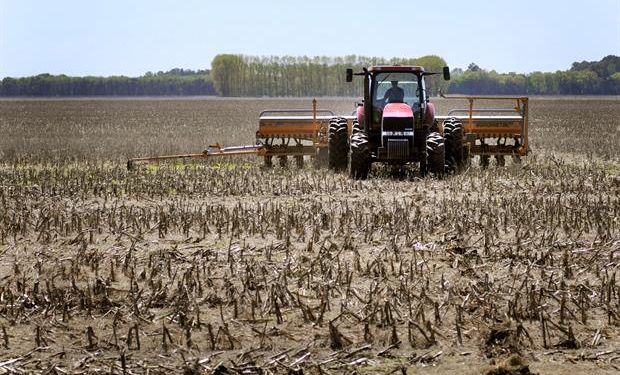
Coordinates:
(338, 144)
(359, 158)
(435, 154)
(455, 151)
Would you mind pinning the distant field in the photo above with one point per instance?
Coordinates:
(114, 129)
(226, 266)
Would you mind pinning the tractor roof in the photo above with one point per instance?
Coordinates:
(396, 68)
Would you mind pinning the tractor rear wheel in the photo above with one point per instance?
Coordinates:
(359, 158)
(338, 144)
(455, 152)
(435, 154)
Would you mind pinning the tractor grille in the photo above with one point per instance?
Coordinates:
(398, 148)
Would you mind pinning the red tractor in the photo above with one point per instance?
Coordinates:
(394, 124)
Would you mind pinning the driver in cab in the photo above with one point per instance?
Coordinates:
(394, 94)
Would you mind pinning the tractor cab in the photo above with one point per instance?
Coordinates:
(388, 85)
(393, 84)
(394, 88)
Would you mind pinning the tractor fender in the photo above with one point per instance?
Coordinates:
(360, 114)
(429, 115)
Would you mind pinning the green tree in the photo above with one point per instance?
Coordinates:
(227, 71)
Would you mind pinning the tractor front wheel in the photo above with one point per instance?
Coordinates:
(435, 154)
(359, 157)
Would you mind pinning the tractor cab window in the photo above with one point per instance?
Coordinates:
(396, 87)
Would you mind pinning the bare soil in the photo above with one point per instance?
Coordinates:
(225, 267)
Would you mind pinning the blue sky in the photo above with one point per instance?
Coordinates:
(131, 37)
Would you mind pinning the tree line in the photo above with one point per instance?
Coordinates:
(583, 78)
(170, 83)
(238, 75)
(253, 76)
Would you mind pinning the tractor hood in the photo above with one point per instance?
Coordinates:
(397, 110)
(397, 131)
(397, 120)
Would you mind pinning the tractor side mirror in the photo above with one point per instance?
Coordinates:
(446, 73)
(349, 75)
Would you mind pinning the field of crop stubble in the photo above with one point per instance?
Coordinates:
(225, 267)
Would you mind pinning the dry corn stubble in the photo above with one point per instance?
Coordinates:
(223, 265)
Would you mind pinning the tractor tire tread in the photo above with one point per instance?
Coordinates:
(338, 153)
